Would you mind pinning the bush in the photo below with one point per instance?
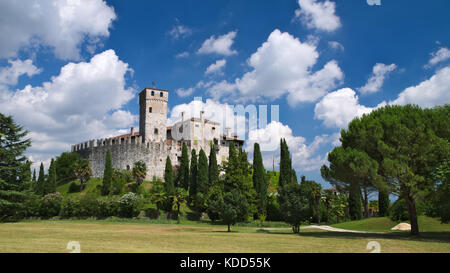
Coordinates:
(107, 207)
(273, 209)
(51, 205)
(129, 205)
(152, 213)
(399, 210)
(70, 208)
(32, 205)
(74, 187)
(88, 205)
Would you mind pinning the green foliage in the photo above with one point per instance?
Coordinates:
(285, 165)
(213, 169)
(354, 202)
(168, 177)
(214, 202)
(82, 171)
(260, 183)
(129, 205)
(193, 175)
(51, 205)
(74, 187)
(233, 208)
(273, 209)
(40, 186)
(139, 171)
(313, 192)
(383, 203)
(65, 164)
(294, 205)
(183, 171)
(15, 172)
(107, 174)
(50, 184)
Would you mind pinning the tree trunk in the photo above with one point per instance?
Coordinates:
(366, 203)
(412, 215)
(229, 229)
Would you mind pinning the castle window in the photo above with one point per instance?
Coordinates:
(153, 93)
(161, 94)
(156, 131)
(180, 129)
(128, 167)
(149, 109)
(213, 128)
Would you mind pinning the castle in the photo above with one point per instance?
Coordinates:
(155, 140)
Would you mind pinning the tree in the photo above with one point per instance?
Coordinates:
(139, 171)
(50, 184)
(285, 164)
(107, 174)
(259, 180)
(193, 175)
(233, 208)
(182, 180)
(294, 205)
(40, 186)
(14, 169)
(202, 182)
(65, 163)
(313, 192)
(213, 169)
(179, 198)
(406, 144)
(383, 203)
(34, 179)
(83, 172)
(168, 177)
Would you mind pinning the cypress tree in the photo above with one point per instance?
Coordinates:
(285, 164)
(193, 175)
(34, 176)
(169, 188)
(50, 185)
(107, 174)
(213, 170)
(354, 201)
(259, 180)
(40, 186)
(183, 171)
(294, 177)
(202, 175)
(383, 203)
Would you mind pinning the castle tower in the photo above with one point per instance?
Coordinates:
(153, 114)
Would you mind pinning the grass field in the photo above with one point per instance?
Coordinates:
(146, 236)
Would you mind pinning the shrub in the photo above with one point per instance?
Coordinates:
(88, 205)
(107, 207)
(70, 207)
(399, 210)
(273, 209)
(129, 205)
(51, 205)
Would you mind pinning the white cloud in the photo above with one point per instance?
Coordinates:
(440, 55)
(10, 75)
(336, 45)
(84, 101)
(318, 15)
(338, 108)
(62, 25)
(376, 80)
(216, 68)
(180, 31)
(305, 156)
(429, 93)
(220, 45)
(183, 54)
(182, 92)
(282, 65)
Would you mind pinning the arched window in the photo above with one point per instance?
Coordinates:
(156, 131)
(161, 94)
(149, 109)
(153, 93)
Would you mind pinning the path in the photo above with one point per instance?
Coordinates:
(328, 228)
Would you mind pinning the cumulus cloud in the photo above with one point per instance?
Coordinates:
(429, 93)
(336, 45)
(216, 68)
(183, 54)
(61, 25)
(305, 157)
(282, 65)
(376, 80)
(9, 75)
(220, 45)
(318, 15)
(438, 56)
(338, 108)
(84, 101)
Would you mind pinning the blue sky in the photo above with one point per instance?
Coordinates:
(70, 70)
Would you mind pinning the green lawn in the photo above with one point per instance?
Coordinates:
(384, 224)
(147, 236)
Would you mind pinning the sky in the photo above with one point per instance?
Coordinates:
(70, 70)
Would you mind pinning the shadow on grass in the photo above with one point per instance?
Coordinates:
(441, 237)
